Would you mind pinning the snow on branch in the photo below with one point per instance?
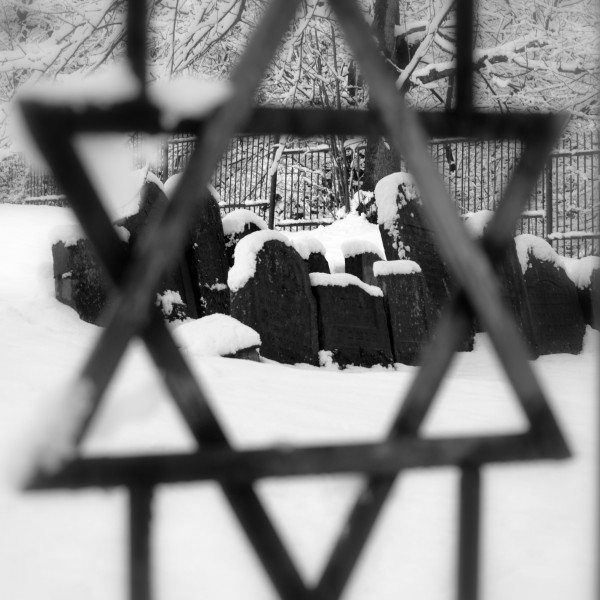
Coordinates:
(509, 52)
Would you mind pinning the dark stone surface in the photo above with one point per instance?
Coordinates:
(352, 325)
(278, 303)
(247, 354)
(153, 200)
(317, 263)
(207, 261)
(79, 280)
(514, 295)
(557, 320)
(361, 266)
(410, 313)
(585, 295)
(231, 240)
(595, 299)
(410, 238)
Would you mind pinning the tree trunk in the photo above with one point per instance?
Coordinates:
(379, 159)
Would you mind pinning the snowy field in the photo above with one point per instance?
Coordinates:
(539, 518)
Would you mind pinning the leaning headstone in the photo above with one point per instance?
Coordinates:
(79, 280)
(312, 252)
(207, 261)
(270, 292)
(237, 225)
(352, 320)
(204, 269)
(405, 236)
(148, 198)
(595, 298)
(557, 320)
(510, 276)
(359, 257)
(408, 305)
(581, 273)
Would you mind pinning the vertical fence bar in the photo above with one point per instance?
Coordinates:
(465, 11)
(273, 183)
(469, 523)
(549, 200)
(136, 40)
(140, 514)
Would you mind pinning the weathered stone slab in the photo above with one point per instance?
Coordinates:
(595, 298)
(359, 257)
(207, 261)
(409, 307)
(312, 252)
(237, 225)
(79, 280)
(271, 293)
(152, 199)
(510, 276)
(582, 272)
(352, 320)
(405, 235)
(557, 320)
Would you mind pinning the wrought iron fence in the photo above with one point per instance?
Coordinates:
(303, 181)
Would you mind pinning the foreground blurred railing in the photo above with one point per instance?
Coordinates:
(136, 274)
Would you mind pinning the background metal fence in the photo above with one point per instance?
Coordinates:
(308, 181)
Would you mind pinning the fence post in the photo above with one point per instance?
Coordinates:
(164, 156)
(549, 207)
(273, 189)
(140, 514)
(469, 524)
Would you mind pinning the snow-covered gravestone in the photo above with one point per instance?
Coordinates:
(510, 276)
(79, 281)
(359, 256)
(557, 320)
(270, 292)
(312, 252)
(218, 335)
(205, 255)
(408, 305)
(174, 297)
(405, 236)
(238, 224)
(585, 274)
(352, 320)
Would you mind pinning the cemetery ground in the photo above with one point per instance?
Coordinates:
(539, 519)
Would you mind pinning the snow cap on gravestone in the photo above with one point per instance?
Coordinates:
(391, 193)
(312, 252)
(170, 186)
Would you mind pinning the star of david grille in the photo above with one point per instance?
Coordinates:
(136, 273)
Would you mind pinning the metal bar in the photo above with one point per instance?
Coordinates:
(469, 522)
(405, 134)
(142, 116)
(227, 465)
(136, 40)
(549, 199)
(140, 517)
(465, 11)
(113, 341)
(273, 185)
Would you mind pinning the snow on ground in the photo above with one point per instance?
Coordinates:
(539, 518)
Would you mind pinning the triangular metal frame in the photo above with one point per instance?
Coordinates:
(136, 276)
